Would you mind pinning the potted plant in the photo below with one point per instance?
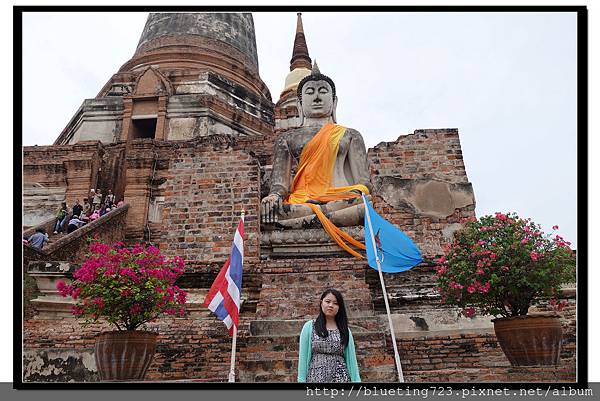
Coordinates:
(500, 265)
(127, 288)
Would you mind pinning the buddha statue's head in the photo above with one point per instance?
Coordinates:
(316, 96)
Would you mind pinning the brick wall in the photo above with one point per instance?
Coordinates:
(426, 354)
(205, 188)
(427, 153)
(291, 288)
(261, 147)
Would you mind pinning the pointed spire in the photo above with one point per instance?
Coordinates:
(315, 68)
(299, 27)
(300, 58)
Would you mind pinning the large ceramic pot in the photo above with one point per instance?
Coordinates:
(530, 340)
(124, 355)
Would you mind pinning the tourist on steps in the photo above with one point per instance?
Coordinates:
(87, 207)
(327, 353)
(61, 218)
(96, 214)
(110, 199)
(97, 199)
(38, 239)
(77, 208)
(74, 224)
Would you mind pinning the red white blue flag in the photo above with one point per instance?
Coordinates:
(223, 298)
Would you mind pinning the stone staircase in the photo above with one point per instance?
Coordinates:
(288, 299)
(270, 352)
(73, 247)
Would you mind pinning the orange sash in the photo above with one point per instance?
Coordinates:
(313, 182)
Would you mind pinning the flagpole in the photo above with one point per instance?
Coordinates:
(385, 299)
(234, 341)
(232, 366)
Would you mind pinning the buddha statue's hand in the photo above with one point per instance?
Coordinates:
(269, 209)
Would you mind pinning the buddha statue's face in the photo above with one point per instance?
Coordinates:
(317, 99)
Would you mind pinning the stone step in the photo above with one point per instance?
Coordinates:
(287, 372)
(275, 358)
(284, 369)
(271, 378)
(452, 351)
(292, 327)
(215, 379)
(298, 313)
(564, 372)
(266, 331)
(279, 340)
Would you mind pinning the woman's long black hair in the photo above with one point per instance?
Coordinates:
(341, 319)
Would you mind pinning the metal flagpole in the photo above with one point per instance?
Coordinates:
(234, 341)
(385, 299)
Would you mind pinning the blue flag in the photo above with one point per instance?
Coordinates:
(397, 252)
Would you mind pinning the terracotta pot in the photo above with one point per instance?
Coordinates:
(124, 355)
(530, 340)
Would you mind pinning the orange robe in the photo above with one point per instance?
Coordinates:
(313, 182)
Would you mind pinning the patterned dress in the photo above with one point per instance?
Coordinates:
(327, 364)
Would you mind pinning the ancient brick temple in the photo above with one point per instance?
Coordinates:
(183, 133)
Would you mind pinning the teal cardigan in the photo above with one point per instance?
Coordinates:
(305, 354)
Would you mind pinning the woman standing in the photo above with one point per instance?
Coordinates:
(327, 353)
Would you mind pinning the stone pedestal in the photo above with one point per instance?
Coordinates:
(50, 304)
(304, 243)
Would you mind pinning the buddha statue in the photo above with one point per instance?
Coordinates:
(331, 169)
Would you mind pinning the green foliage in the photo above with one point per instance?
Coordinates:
(502, 264)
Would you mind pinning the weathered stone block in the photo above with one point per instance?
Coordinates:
(51, 365)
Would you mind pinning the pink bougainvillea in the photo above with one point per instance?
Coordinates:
(501, 264)
(126, 287)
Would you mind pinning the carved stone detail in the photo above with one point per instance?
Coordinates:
(304, 243)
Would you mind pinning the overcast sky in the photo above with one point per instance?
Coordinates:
(507, 81)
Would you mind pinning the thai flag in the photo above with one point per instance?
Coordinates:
(223, 298)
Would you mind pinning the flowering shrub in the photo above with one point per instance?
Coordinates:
(501, 264)
(127, 287)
